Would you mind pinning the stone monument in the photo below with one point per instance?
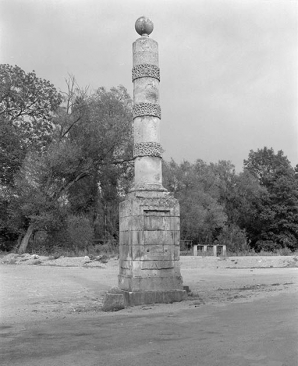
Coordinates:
(149, 232)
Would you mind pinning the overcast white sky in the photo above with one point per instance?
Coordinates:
(228, 67)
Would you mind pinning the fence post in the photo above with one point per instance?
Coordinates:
(215, 250)
(195, 250)
(224, 250)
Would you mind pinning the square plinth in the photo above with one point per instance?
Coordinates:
(149, 243)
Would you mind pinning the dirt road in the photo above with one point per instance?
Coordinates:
(244, 316)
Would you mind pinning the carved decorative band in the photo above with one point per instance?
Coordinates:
(145, 70)
(147, 149)
(146, 109)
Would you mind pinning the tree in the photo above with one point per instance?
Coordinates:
(27, 107)
(225, 179)
(12, 152)
(91, 149)
(266, 166)
(36, 202)
(194, 185)
(240, 195)
(276, 225)
(27, 101)
(105, 136)
(234, 238)
(245, 202)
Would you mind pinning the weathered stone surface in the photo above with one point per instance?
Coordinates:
(146, 129)
(146, 114)
(122, 299)
(160, 236)
(152, 297)
(146, 90)
(146, 57)
(147, 149)
(177, 253)
(148, 170)
(114, 300)
(149, 242)
(156, 264)
(145, 70)
(140, 272)
(146, 109)
(149, 237)
(137, 203)
(145, 51)
(163, 223)
(125, 252)
(150, 283)
(127, 264)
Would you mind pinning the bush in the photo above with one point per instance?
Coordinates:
(80, 232)
(266, 246)
(8, 241)
(284, 251)
(74, 237)
(234, 238)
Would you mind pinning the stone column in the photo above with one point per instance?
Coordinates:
(146, 111)
(149, 234)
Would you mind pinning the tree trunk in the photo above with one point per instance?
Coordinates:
(25, 240)
(19, 240)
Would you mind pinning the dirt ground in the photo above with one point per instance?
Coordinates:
(243, 311)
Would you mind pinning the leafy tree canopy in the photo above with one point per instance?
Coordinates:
(91, 148)
(277, 219)
(27, 102)
(202, 216)
(267, 166)
(27, 107)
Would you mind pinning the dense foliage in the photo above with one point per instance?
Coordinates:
(27, 105)
(276, 224)
(66, 163)
(255, 209)
(80, 172)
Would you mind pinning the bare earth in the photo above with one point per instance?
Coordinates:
(243, 311)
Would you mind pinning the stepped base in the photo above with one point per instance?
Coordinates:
(118, 299)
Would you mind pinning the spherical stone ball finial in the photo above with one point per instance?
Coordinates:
(144, 26)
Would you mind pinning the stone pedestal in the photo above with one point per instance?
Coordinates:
(149, 243)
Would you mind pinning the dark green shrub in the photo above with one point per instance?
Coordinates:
(80, 232)
(234, 238)
(266, 246)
